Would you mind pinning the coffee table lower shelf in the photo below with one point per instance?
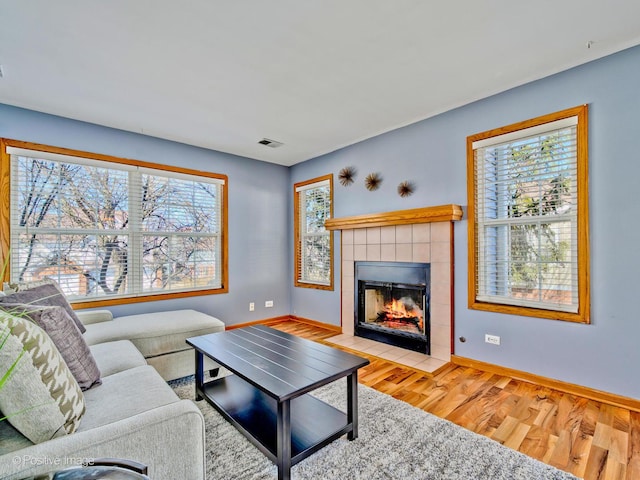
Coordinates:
(314, 423)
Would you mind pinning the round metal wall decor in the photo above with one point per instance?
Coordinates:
(405, 188)
(373, 181)
(346, 176)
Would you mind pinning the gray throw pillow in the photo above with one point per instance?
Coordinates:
(40, 395)
(43, 293)
(65, 335)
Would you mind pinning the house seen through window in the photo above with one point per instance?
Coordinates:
(113, 229)
(528, 220)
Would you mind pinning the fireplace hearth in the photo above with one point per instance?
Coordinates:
(392, 303)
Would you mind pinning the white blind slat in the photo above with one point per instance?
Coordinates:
(60, 158)
(312, 186)
(529, 132)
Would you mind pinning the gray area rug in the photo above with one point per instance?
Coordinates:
(396, 441)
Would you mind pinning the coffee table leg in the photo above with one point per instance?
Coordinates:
(352, 404)
(199, 374)
(283, 431)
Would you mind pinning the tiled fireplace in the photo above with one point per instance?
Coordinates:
(422, 236)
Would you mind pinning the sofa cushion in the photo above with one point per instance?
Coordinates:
(155, 333)
(40, 394)
(94, 316)
(65, 335)
(42, 293)
(124, 395)
(11, 439)
(114, 357)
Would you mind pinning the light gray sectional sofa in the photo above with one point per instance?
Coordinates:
(133, 414)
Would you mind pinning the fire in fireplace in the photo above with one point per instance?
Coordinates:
(392, 303)
(400, 314)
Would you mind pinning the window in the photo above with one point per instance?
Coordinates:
(528, 218)
(109, 229)
(313, 203)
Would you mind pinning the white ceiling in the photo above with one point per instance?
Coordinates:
(315, 75)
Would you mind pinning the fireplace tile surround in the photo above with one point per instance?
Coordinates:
(428, 240)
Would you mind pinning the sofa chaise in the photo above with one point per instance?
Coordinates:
(160, 337)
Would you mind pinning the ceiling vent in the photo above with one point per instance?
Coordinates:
(270, 143)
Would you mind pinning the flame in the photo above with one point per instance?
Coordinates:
(399, 309)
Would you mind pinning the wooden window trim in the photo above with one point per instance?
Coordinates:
(583, 313)
(297, 236)
(5, 225)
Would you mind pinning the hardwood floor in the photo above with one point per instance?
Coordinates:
(591, 440)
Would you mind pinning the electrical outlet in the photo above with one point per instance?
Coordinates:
(493, 339)
(252, 307)
(268, 303)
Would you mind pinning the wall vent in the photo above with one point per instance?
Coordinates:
(270, 143)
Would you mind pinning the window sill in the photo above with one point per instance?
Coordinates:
(581, 317)
(108, 302)
(315, 286)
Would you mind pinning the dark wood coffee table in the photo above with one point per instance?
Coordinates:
(266, 398)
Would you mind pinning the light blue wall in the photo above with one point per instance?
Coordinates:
(258, 210)
(604, 355)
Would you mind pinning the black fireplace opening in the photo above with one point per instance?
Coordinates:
(392, 303)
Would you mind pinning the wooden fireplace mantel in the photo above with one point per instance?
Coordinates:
(440, 213)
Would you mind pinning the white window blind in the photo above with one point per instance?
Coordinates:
(314, 201)
(526, 216)
(104, 229)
